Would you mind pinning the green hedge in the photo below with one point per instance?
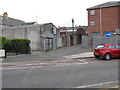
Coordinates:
(8, 45)
(17, 45)
(2, 42)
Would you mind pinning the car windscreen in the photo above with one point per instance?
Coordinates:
(100, 46)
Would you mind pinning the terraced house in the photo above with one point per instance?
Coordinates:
(104, 18)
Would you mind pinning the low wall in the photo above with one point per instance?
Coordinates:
(2, 54)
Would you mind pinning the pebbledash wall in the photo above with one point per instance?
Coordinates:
(37, 34)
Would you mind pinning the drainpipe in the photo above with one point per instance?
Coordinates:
(25, 32)
(100, 22)
(119, 15)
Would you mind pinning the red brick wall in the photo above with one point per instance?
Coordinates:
(119, 17)
(109, 20)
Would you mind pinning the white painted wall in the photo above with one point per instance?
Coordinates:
(34, 37)
(59, 42)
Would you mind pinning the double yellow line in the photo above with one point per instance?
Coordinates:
(115, 87)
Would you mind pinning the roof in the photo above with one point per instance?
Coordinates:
(25, 26)
(83, 27)
(67, 28)
(105, 5)
(29, 23)
(13, 19)
(10, 21)
(108, 44)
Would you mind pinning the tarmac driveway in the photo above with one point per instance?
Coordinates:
(57, 54)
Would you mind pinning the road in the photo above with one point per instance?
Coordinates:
(72, 73)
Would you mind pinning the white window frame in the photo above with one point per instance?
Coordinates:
(92, 12)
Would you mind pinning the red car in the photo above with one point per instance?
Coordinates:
(107, 51)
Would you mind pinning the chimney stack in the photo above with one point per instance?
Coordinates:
(5, 15)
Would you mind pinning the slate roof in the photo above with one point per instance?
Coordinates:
(104, 5)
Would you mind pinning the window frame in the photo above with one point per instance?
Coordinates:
(92, 12)
(92, 23)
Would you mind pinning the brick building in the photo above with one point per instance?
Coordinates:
(104, 18)
(67, 34)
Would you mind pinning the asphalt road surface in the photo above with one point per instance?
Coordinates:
(73, 73)
(57, 54)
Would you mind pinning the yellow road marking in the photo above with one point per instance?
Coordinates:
(109, 88)
(116, 87)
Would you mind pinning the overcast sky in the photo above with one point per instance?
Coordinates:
(59, 12)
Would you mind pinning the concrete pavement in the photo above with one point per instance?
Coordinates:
(81, 55)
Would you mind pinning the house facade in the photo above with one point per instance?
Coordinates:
(6, 21)
(10, 22)
(104, 18)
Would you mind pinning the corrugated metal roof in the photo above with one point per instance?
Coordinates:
(107, 4)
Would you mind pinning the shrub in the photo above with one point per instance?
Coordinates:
(2, 42)
(8, 45)
(18, 46)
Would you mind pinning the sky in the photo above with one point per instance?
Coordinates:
(58, 12)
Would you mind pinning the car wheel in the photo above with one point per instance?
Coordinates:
(107, 56)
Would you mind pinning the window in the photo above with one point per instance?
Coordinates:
(92, 23)
(112, 46)
(100, 46)
(92, 12)
(117, 46)
(54, 30)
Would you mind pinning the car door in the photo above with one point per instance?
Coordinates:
(119, 50)
(113, 50)
(118, 47)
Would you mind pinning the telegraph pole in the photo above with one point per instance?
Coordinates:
(73, 30)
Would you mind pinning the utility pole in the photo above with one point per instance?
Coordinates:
(73, 30)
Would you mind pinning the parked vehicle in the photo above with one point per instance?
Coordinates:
(107, 51)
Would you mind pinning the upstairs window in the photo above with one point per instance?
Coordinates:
(92, 12)
(92, 23)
